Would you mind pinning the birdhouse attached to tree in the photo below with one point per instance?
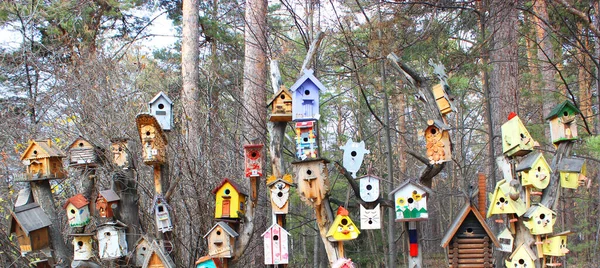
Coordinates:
(539, 219)
(275, 240)
(120, 153)
(342, 228)
(82, 154)
(354, 154)
(307, 141)
(410, 199)
(502, 201)
(111, 240)
(572, 172)
(221, 241)
(506, 240)
(562, 122)
(516, 140)
(253, 160)
(230, 200)
(522, 257)
(442, 99)
(161, 107)
(208, 262)
(437, 139)
(369, 188)
(534, 171)
(30, 224)
(78, 211)
(370, 219)
(154, 141)
(158, 258)
(281, 106)
(82, 247)
(43, 160)
(305, 97)
(106, 203)
(556, 245)
(312, 180)
(280, 193)
(142, 248)
(161, 213)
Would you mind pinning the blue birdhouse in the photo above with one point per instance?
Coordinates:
(305, 99)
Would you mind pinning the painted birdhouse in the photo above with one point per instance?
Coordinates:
(369, 188)
(229, 200)
(111, 240)
(221, 241)
(305, 97)
(253, 160)
(83, 153)
(161, 107)
(43, 160)
(410, 199)
(276, 245)
(370, 219)
(307, 142)
(534, 171)
(572, 172)
(442, 99)
(562, 122)
(142, 248)
(154, 141)
(281, 106)
(208, 262)
(161, 213)
(280, 193)
(522, 257)
(158, 258)
(120, 153)
(78, 211)
(342, 228)
(354, 154)
(106, 203)
(312, 180)
(30, 224)
(437, 139)
(502, 203)
(539, 219)
(82, 247)
(516, 140)
(556, 245)
(506, 240)
(342, 263)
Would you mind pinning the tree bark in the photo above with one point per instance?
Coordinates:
(190, 70)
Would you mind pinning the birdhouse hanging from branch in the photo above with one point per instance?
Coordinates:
(161, 107)
(572, 172)
(305, 99)
(354, 154)
(253, 160)
(78, 212)
(30, 224)
(539, 219)
(437, 139)
(221, 241)
(230, 200)
(161, 214)
(369, 188)
(154, 141)
(281, 106)
(516, 140)
(275, 240)
(82, 154)
(280, 193)
(43, 160)
(370, 219)
(312, 180)
(506, 200)
(106, 203)
(563, 126)
(534, 171)
(111, 240)
(342, 228)
(307, 141)
(120, 153)
(410, 199)
(82, 247)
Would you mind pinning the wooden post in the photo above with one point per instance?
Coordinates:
(341, 249)
(157, 179)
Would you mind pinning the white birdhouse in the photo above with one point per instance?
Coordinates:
(506, 240)
(370, 219)
(111, 240)
(161, 107)
(161, 213)
(142, 248)
(276, 245)
(369, 188)
(411, 201)
(82, 247)
(354, 154)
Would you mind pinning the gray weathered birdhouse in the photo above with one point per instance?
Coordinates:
(161, 107)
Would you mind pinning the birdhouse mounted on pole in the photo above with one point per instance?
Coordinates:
(563, 126)
(312, 180)
(354, 154)
(30, 224)
(305, 99)
(83, 153)
(82, 247)
(410, 199)
(280, 193)
(43, 160)
(78, 211)
(154, 141)
(275, 240)
(230, 200)
(253, 160)
(221, 241)
(307, 140)
(281, 106)
(437, 138)
(161, 107)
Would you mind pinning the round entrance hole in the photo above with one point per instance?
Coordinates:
(147, 133)
(227, 191)
(143, 248)
(369, 187)
(370, 221)
(280, 194)
(309, 172)
(218, 232)
(307, 92)
(344, 221)
(502, 199)
(161, 106)
(80, 144)
(521, 261)
(34, 152)
(353, 153)
(72, 211)
(282, 97)
(470, 230)
(565, 113)
(411, 200)
(433, 131)
(275, 237)
(542, 216)
(253, 154)
(305, 139)
(80, 243)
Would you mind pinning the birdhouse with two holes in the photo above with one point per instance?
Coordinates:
(539, 219)
(410, 200)
(142, 248)
(280, 193)
(82, 247)
(78, 211)
(442, 99)
(29, 223)
(505, 201)
(534, 171)
(563, 126)
(208, 262)
(154, 141)
(221, 241)
(506, 240)
(305, 97)
(120, 153)
(516, 140)
(82, 154)
(161, 107)
(307, 142)
(522, 257)
(437, 139)
(230, 200)
(253, 160)
(106, 203)
(342, 228)
(275, 240)
(281, 106)
(111, 240)
(354, 154)
(556, 245)
(369, 188)
(161, 214)
(572, 172)
(312, 180)
(370, 219)
(43, 160)
(157, 257)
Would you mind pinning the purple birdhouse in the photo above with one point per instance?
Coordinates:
(305, 100)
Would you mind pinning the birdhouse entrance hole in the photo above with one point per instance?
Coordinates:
(34, 151)
(521, 261)
(107, 234)
(253, 155)
(282, 97)
(72, 211)
(80, 243)
(218, 232)
(80, 144)
(344, 221)
(470, 230)
(565, 113)
(410, 200)
(353, 153)
(433, 131)
(309, 172)
(161, 209)
(369, 187)
(370, 221)
(275, 237)
(542, 216)
(280, 194)
(227, 191)
(307, 92)
(161, 106)
(147, 133)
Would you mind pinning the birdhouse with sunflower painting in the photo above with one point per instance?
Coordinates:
(572, 172)
(522, 257)
(534, 171)
(307, 143)
(437, 139)
(43, 160)
(410, 200)
(312, 180)
(154, 141)
(556, 245)
(516, 140)
(280, 193)
(230, 200)
(253, 160)
(305, 97)
(354, 154)
(208, 262)
(505, 200)
(221, 241)
(78, 211)
(342, 228)
(539, 219)
(563, 126)
(82, 247)
(281, 106)
(275, 240)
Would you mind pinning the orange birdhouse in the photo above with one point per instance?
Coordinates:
(43, 160)
(154, 141)
(437, 138)
(253, 160)
(106, 202)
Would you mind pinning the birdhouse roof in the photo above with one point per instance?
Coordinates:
(569, 232)
(527, 250)
(158, 96)
(45, 145)
(571, 165)
(282, 90)
(114, 224)
(73, 144)
(88, 234)
(462, 215)
(147, 119)
(77, 200)
(287, 179)
(233, 184)
(109, 195)
(30, 217)
(273, 226)
(414, 183)
(308, 75)
(155, 248)
(532, 210)
(561, 107)
(505, 234)
(225, 227)
(25, 197)
(369, 176)
(529, 161)
(254, 146)
(142, 238)
(438, 124)
(207, 258)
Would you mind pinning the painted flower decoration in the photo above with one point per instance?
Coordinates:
(401, 201)
(416, 196)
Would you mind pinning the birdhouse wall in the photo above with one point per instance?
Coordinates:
(516, 140)
(120, 154)
(312, 180)
(305, 101)
(569, 180)
(555, 246)
(82, 248)
(411, 204)
(281, 108)
(354, 154)
(538, 176)
(520, 259)
(111, 243)
(280, 193)
(471, 228)
(369, 188)
(220, 244)
(562, 132)
(163, 219)
(370, 219)
(142, 248)
(25, 241)
(162, 110)
(104, 208)
(307, 140)
(78, 217)
(479, 253)
(441, 99)
(154, 148)
(276, 246)
(228, 202)
(439, 148)
(253, 160)
(82, 153)
(506, 241)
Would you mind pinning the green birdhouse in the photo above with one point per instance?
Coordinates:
(516, 140)
(562, 122)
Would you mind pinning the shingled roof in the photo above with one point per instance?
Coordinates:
(77, 200)
(30, 217)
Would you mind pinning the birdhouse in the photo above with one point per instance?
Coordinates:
(369, 188)
(221, 241)
(516, 140)
(276, 245)
(111, 240)
(342, 228)
(161, 213)
(354, 153)
(30, 224)
(437, 139)
(78, 211)
(253, 160)
(506, 240)
(442, 99)
(281, 106)
(410, 199)
(280, 193)
(307, 142)
(229, 200)
(572, 172)
(305, 97)
(161, 107)
(370, 219)
(343, 263)
(43, 160)
(106, 203)
(120, 153)
(83, 153)
(44, 263)
(502, 201)
(523, 257)
(539, 219)
(312, 180)
(154, 141)
(157, 257)
(82, 247)
(534, 171)
(556, 245)
(562, 122)
(208, 262)
(142, 248)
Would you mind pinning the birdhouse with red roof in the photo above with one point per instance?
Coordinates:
(275, 240)
(230, 200)
(78, 211)
(280, 193)
(563, 126)
(307, 142)
(154, 141)
(253, 160)
(516, 140)
(312, 180)
(437, 139)
(43, 160)
(410, 199)
(342, 228)
(84, 154)
(281, 106)
(106, 203)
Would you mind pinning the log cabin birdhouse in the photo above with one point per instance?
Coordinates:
(522, 257)
(370, 219)
(106, 203)
(221, 241)
(43, 160)
(281, 106)
(442, 99)
(280, 193)
(111, 240)
(410, 199)
(83, 153)
(437, 139)
(78, 211)
(208, 262)
(369, 188)
(312, 180)
(154, 141)
(556, 245)
(253, 160)
(275, 240)
(157, 257)
(562, 122)
(342, 228)
(82, 247)
(539, 219)
(572, 172)
(30, 224)
(534, 171)
(230, 200)
(354, 154)
(506, 240)
(161, 214)
(161, 107)
(142, 248)
(502, 202)
(307, 141)
(120, 153)
(305, 97)
(516, 140)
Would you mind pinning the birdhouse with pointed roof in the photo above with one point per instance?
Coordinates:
(230, 200)
(437, 139)
(305, 97)
(342, 228)
(442, 99)
(563, 126)
(556, 245)
(43, 160)
(142, 249)
(158, 258)
(370, 219)
(154, 141)
(106, 203)
(280, 193)
(502, 201)
(221, 241)
(111, 240)
(276, 245)
(161, 107)
(539, 219)
(30, 224)
(410, 200)
(572, 172)
(208, 262)
(369, 187)
(522, 257)
(84, 154)
(120, 153)
(307, 141)
(281, 106)
(312, 180)
(354, 154)
(516, 140)
(534, 171)
(253, 160)
(82, 246)
(78, 211)
(161, 214)
(506, 240)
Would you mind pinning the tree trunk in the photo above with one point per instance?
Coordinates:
(128, 213)
(189, 70)
(584, 78)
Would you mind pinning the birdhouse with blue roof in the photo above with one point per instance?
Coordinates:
(43, 160)
(563, 126)
(505, 200)
(516, 140)
(354, 154)
(539, 219)
(307, 140)
(229, 200)
(221, 241)
(572, 172)
(161, 107)
(154, 141)
(281, 106)
(534, 171)
(305, 97)
(342, 228)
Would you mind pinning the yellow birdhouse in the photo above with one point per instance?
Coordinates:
(516, 140)
(437, 138)
(229, 200)
(442, 100)
(43, 160)
(281, 106)
(342, 228)
(523, 257)
(556, 245)
(154, 141)
(572, 172)
(221, 241)
(502, 201)
(562, 122)
(539, 219)
(312, 180)
(280, 193)
(534, 171)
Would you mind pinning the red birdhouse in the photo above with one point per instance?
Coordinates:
(253, 160)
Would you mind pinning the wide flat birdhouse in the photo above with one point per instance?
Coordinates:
(281, 106)
(43, 160)
(208, 262)
(83, 153)
(556, 245)
(82, 247)
(305, 97)
(572, 172)
(342, 228)
(230, 200)
(253, 160)
(516, 140)
(539, 219)
(111, 240)
(29, 223)
(312, 180)
(161, 107)
(506, 240)
(563, 126)
(142, 248)
(161, 214)
(437, 139)
(307, 141)
(369, 188)
(154, 141)
(106, 203)
(534, 171)
(275, 240)
(410, 199)
(502, 201)
(158, 258)
(221, 241)
(120, 153)
(78, 211)
(354, 154)
(280, 193)
(370, 219)
(442, 99)
(522, 257)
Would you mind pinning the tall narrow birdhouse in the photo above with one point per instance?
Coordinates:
(502, 201)
(82, 247)
(354, 154)
(142, 248)
(522, 257)
(43, 160)
(342, 228)
(370, 219)
(516, 140)
(305, 97)
(161, 213)
(437, 139)
(230, 200)
(158, 258)
(442, 99)
(307, 141)
(161, 107)
(78, 211)
(556, 245)
(154, 141)
(572, 172)
(312, 180)
(120, 153)
(539, 219)
(253, 160)
(534, 171)
(506, 240)
(281, 106)
(221, 241)
(280, 193)
(369, 188)
(83, 153)
(275, 240)
(208, 262)
(30, 224)
(563, 126)
(410, 199)
(111, 240)
(106, 203)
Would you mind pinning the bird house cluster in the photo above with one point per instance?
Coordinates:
(154, 141)
(43, 160)
(563, 126)
(410, 201)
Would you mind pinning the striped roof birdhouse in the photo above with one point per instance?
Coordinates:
(280, 193)
(410, 199)
(534, 171)
(307, 141)
(502, 201)
(111, 240)
(253, 160)
(43, 160)
(312, 180)
(572, 172)
(83, 153)
(154, 141)
(342, 228)
(230, 200)
(563, 126)
(82, 246)
(516, 140)
(354, 154)
(221, 241)
(30, 224)
(437, 139)
(281, 106)
(305, 97)
(78, 211)
(208, 262)
(522, 257)
(161, 107)
(275, 240)
(539, 219)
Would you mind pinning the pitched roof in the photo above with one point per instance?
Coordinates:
(529, 213)
(527, 163)
(413, 182)
(438, 124)
(225, 227)
(148, 119)
(273, 226)
(558, 108)
(287, 179)
(84, 139)
(155, 248)
(571, 165)
(77, 200)
(30, 217)
(25, 197)
(235, 186)
(308, 75)
(158, 95)
(527, 250)
(462, 215)
(504, 187)
(116, 224)
(109, 195)
(47, 146)
(276, 95)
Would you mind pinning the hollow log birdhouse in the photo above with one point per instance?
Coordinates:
(516, 140)
(312, 180)
(354, 154)
(230, 200)
(106, 203)
(275, 240)
(410, 199)
(504, 200)
(154, 141)
(342, 228)
(534, 171)
(522, 257)
(142, 248)
(281, 106)
(161, 107)
(539, 219)
(221, 241)
(556, 245)
(280, 193)
(82, 246)
(253, 160)
(442, 99)
(307, 141)
(161, 214)
(120, 153)
(78, 211)
(562, 122)
(572, 172)
(30, 224)
(158, 258)
(370, 219)
(437, 139)
(208, 262)
(83, 153)
(369, 188)
(305, 97)
(43, 160)
(111, 240)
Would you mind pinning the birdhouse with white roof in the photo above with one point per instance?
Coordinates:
(369, 188)
(221, 241)
(161, 107)
(161, 214)
(142, 248)
(410, 200)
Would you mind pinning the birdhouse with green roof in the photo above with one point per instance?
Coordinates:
(539, 219)
(505, 200)
(572, 172)
(563, 126)
(516, 140)
(534, 171)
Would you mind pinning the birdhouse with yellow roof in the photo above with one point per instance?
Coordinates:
(442, 99)
(280, 193)
(572, 172)
(539, 219)
(78, 211)
(230, 200)
(505, 200)
(410, 200)
(516, 140)
(437, 139)
(253, 160)
(312, 180)
(342, 228)
(534, 171)
(563, 126)
(154, 141)
(281, 106)
(522, 257)
(43, 160)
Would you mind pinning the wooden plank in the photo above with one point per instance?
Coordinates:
(471, 240)
(471, 246)
(467, 251)
(469, 256)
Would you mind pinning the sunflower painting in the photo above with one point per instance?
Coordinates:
(411, 201)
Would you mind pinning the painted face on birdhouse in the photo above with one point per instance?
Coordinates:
(82, 246)
(354, 153)
(501, 203)
(280, 193)
(342, 228)
(370, 218)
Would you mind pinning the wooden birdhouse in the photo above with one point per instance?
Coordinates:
(556, 245)
(221, 241)
(78, 211)
(161, 107)
(120, 153)
(370, 219)
(343, 263)
(516, 140)
(312, 180)
(342, 228)
(562, 122)
(82, 247)
(43, 160)
(106, 203)
(154, 141)
(253, 160)
(208, 262)
(83, 153)
(161, 213)
(280, 193)
(572, 172)
(506, 240)
(354, 154)
(30, 224)
(534, 171)
(502, 202)
(158, 258)
(44, 263)
(275, 240)
(307, 141)
(369, 188)
(522, 257)
(410, 199)
(470, 229)
(442, 99)
(230, 200)
(305, 97)
(111, 240)
(142, 248)
(539, 219)
(281, 106)
(437, 139)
